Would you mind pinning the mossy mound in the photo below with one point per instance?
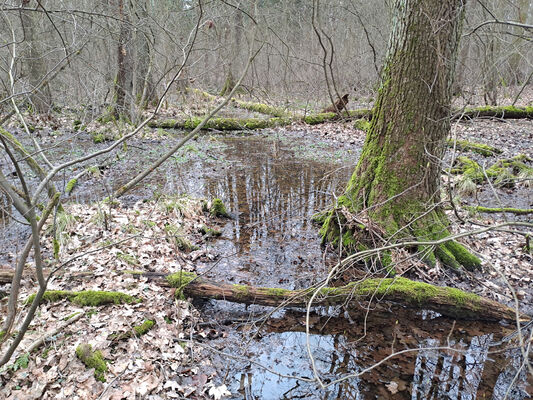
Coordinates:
(218, 209)
(92, 359)
(503, 172)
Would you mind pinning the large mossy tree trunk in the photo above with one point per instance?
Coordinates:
(396, 182)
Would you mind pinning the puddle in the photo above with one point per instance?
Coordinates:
(272, 185)
(269, 365)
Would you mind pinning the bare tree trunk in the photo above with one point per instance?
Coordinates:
(124, 79)
(41, 99)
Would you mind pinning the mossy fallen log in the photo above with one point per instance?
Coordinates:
(511, 210)
(506, 112)
(447, 301)
(86, 297)
(480, 148)
(221, 124)
(504, 172)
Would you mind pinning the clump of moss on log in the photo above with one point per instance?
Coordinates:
(86, 298)
(92, 359)
(179, 280)
(71, 185)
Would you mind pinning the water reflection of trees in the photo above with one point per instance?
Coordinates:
(452, 363)
(272, 194)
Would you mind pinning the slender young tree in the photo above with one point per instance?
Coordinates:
(395, 186)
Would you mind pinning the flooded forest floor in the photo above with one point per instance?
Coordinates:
(272, 182)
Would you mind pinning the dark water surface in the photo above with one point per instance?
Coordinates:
(272, 185)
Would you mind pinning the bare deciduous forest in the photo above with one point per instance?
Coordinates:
(272, 199)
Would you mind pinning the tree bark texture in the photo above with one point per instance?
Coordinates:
(41, 99)
(396, 180)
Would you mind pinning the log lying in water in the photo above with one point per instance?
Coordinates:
(445, 300)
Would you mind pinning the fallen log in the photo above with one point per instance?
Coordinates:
(447, 301)
(503, 112)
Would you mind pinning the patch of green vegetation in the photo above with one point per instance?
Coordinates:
(209, 232)
(21, 362)
(218, 209)
(415, 292)
(132, 260)
(99, 138)
(480, 148)
(86, 298)
(144, 327)
(148, 223)
(70, 185)
(92, 359)
(362, 124)
(175, 234)
(240, 290)
(179, 280)
(460, 298)
(45, 352)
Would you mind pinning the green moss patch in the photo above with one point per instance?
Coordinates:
(136, 331)
(414, 292)
(70, 185)
(519, 211)
(86, 298)
(92, 359)
(261, 108)
(480, 148)
(218, 209)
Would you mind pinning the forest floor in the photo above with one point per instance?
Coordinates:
(162, 234)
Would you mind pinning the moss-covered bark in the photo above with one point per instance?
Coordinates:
(447, 301)
(394, 190)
